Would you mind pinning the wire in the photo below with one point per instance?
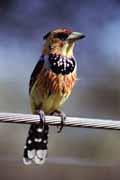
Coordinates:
(55, 120)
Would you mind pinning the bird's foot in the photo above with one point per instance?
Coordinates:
(42, 118)
(63, 118)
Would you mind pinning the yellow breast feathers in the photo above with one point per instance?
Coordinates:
(50, 90)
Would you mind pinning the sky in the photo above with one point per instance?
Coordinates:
(23, 24)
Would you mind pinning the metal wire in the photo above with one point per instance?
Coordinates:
(55, 120)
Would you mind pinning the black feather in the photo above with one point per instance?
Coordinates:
(46, 35)
(35, 72)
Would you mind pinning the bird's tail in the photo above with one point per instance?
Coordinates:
(36, 144)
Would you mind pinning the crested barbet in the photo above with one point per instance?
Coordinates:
(51, 83)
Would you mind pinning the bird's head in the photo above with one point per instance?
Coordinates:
(61, 41)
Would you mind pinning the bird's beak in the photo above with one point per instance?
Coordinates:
(75, 36)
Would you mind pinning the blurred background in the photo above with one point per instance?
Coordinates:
(76, 153)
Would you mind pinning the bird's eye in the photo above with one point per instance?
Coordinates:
(61, 36)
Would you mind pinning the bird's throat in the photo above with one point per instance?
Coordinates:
(67, 49)
(60, 64)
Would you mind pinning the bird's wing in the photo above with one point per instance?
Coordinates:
(35, 73)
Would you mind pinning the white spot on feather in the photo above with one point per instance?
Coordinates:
(31, 154)
(37, 139)
(40, 157)
(29, 141)
(45, 141)
(27, 161)
(39, 130)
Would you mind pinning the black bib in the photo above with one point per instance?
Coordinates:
(61, 65)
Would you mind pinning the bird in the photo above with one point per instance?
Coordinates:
(50, 85)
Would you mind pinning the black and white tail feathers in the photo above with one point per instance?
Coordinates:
(35, 149)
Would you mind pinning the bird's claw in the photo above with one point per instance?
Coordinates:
(63, 118)
(42, 118)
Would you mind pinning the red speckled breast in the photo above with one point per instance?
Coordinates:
(49, 81)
